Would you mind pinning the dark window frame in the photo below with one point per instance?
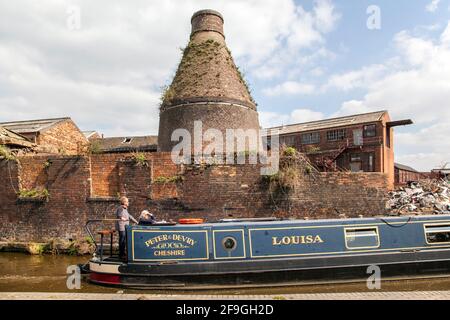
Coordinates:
(366, 131)
(336, 135)
(310, 138)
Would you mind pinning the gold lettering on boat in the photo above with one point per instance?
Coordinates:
(170, 241)
(292, 240)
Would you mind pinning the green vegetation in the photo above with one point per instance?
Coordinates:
(289, 152)
(94, 147)
(34, 193)
(172, 179)
(167, 94)
(47, 164)
(294, 169)
(312, 149)
(140, 159)
(5, 154)
(36, 248)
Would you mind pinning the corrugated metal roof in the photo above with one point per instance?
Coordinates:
(331, 123)
(125, 144)
(30, 126)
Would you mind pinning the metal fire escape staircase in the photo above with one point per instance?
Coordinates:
(328, 163)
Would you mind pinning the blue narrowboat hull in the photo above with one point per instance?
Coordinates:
(276, 253)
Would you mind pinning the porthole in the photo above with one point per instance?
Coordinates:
(229, 243)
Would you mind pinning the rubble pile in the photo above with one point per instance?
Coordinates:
(426, 196)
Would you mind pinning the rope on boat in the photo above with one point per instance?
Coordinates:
(397, 226)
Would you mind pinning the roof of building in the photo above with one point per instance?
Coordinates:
(331, 123)
(207, 72)
(403, 167)
(8, 137)
(89, 134)
(126, 144)
(31, 126)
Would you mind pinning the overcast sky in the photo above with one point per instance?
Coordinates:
(103, 63)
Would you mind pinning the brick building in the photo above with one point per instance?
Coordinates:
(58, 135)
(362, 142)
(207, 86)
(405, 174)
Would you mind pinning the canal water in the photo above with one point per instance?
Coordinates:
(21, 272)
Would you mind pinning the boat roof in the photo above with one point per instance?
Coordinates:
(346, 221)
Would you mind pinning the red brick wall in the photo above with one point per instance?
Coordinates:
(64, 138)
(211, 192)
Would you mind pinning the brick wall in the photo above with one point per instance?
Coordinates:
(84, 188)
(63, 138)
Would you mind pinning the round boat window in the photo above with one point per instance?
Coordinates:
(229, 243)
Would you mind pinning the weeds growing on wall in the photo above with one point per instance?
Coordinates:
(139, 159)
(34, 193)
(172, 179)
(294, 168)
(6, 154)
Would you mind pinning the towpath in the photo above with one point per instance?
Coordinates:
(400, 295)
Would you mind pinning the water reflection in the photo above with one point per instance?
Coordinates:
(27, 273)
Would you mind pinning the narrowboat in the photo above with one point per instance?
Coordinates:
(237, 253)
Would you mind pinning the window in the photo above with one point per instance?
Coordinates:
(229, 243)
(311, 138)
(334, 135)
(127, 140)
(362, 238)
(435, 234)
(370, 130)
(288, 141)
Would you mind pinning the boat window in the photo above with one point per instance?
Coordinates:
(229, 243)
(362, 238)
(437, 233)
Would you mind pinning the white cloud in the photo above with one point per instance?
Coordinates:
(326, 15)
(305, 115)
(355, 79)
(289, 88)
(271, 119)
(432, 6)
(107, 75)
(418, 88)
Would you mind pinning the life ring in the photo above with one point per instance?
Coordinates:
(190, 221)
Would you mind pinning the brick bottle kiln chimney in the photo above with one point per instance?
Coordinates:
(207, 86)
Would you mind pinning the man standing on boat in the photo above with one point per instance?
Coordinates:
(124, 220)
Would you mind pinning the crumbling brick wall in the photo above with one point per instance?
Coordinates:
(83, 188)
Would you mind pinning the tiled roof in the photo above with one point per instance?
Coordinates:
(30, 126)
(403, 167)
(125, 144)
(331, 123)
